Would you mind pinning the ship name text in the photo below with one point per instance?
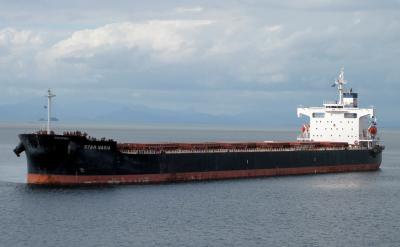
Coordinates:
(97, 147)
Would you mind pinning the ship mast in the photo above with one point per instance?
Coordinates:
(49, 96)
(340, 82)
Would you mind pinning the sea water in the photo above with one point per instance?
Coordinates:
(349, 209)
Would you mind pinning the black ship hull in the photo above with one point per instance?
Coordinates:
(56, 159)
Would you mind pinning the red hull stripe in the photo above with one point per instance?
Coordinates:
(191, 176)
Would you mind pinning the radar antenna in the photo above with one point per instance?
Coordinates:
(340, 82)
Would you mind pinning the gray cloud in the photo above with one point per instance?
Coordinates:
(209, 56)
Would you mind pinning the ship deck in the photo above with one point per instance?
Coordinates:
(221, 147)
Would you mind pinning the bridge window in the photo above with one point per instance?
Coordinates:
(350, 115)
(334, 106)
(318, 115)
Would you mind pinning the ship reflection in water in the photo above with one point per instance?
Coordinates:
(346, 182)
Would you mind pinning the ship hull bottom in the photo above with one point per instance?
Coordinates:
(49, 179)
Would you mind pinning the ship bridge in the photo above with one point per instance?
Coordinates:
(341, 120)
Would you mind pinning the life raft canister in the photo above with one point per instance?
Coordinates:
(373, 130)
(305, 128)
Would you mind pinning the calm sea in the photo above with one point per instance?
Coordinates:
(352, 209)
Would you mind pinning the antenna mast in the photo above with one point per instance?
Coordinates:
(340, 82)
(49, 96)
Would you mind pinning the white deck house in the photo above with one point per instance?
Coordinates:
(340, 121)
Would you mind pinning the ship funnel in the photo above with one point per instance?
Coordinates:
(19, 149)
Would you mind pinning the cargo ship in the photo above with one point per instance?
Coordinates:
(339, 137)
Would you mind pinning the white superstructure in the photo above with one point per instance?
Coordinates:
(341, 120)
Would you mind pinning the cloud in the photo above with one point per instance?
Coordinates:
(200, 53)
(237, 52)
(337, 5)
(163, 40)
(189, 9)
(172, 56)
(12, 40)
(275, 28)
(17, 51)
(12, 37)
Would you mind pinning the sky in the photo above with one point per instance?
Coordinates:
(207, 57)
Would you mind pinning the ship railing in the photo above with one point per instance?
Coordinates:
(75, 133)
(44, 132)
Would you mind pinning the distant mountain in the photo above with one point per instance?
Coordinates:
(54, 119)
(109, 112)
(81, 110)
